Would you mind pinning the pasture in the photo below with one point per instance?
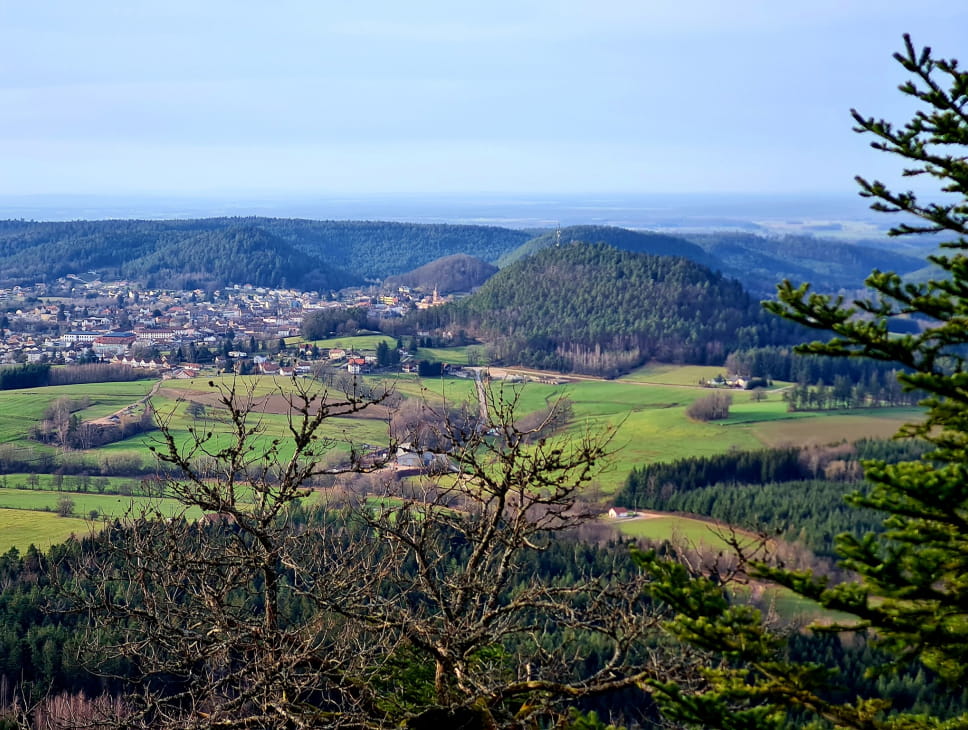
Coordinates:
(359, 343)
(20, 529)
(449, 355)
(106, 505)
(646, 411)
(20, 410)
(689, 532)
(648, 417)
(666, 374)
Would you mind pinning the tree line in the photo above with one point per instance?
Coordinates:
(38, 375)
(782, 363)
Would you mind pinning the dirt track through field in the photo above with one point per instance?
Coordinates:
(106, 420)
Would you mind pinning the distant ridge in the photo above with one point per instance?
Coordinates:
(212, 252)
(762, 261)
(657, 244)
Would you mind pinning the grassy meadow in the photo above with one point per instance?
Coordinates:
(359, 343)
(106, 505)
(20, 410)
(646, 410)
(20, 529)
(691, 532)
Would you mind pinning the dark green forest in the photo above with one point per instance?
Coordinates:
(454, 273)
(782, 363)
(761, 261)
(312, 254)
(211, 252)
(43, 656)
(794, 493)
(596, 309)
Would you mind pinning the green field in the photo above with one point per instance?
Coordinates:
(694, 533)
(359, 343)
(449, 355)
(649, 419)
(646, 410)
(106, 505)
(665, 374)
(20, 529)
(20, 410)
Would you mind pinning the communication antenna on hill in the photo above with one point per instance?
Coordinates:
(558, 234)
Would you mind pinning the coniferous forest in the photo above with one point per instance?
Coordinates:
(597, 309)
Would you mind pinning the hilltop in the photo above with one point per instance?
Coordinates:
(596, 309)
(656, 244)
(455, 273)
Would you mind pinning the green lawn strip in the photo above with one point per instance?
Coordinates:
(358, 343)
(106, 505)
(746, 410)
(694, 532)
(669, 374)
(449, 355)
(20, 529)
(70, 483)
(599, 397)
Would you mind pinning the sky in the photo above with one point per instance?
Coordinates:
(232, 97)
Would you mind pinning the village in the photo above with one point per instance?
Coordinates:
(242, 328)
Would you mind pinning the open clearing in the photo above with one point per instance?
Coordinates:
(665, 374)
(692, 532)
(20, 529)
(706, 536)
(106, 505)
(359, 343)
(21, 410)
(835, 426)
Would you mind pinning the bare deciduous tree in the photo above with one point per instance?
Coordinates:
(422, 607)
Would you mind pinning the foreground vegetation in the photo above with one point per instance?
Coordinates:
(909, 587)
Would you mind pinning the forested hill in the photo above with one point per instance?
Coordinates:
(759, 262)
(637, 241)
(456, 273)
(596, 309)
(375, 249)
(301, 253)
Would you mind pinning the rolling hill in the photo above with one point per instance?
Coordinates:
(455, 273)
(596, 309)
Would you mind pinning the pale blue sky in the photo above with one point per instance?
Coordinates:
(239, 97)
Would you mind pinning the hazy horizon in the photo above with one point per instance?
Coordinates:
(259, 101)
(829, 214)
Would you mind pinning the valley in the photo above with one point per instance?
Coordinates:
(629, 363)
